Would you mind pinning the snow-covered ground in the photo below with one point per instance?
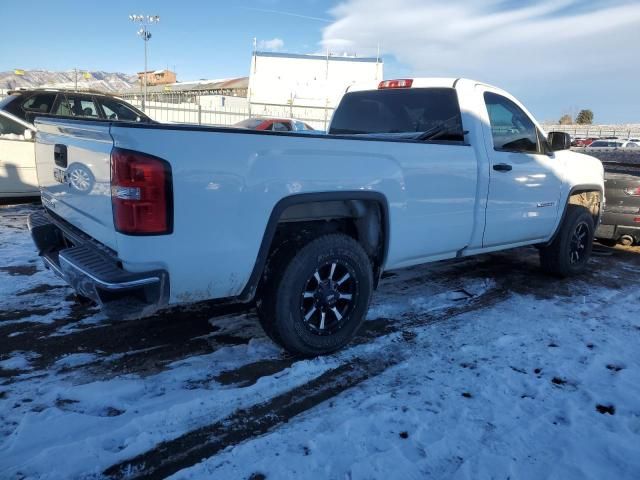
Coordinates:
(478, 368)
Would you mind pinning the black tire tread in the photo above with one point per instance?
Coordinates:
(283, 269)
(553, 257)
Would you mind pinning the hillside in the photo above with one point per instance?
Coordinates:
(106, 81)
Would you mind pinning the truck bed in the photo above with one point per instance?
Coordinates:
(227, 184)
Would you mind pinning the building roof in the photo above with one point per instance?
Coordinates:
(156, 72)
(238, 83)
(333, 58)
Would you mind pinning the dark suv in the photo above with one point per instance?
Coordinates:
(27, 104)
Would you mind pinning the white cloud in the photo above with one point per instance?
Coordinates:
(506, 43)
(274, 44)
(477, 35)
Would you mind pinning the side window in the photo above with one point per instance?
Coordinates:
(40, 102)
(114, 110)
(86, 107)
(511, 128)
(76, 106)
(280, 127)
(62, 107)
(10, 130)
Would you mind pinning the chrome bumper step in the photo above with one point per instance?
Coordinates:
(89, 270)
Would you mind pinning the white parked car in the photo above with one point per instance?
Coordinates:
(613, 144)
(411, 171)
(17, 158)
(17, 112)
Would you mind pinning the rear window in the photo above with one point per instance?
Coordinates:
(410, 110)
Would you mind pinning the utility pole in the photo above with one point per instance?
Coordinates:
(145, 21)
(75, 71)
(252, 73)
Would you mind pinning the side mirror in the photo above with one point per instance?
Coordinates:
(28, 134)
(559, 141)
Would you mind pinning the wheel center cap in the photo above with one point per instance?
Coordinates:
(327, 294)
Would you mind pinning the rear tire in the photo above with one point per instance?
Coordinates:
(314, 300)
(570, 251)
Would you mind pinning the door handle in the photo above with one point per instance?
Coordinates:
(60, 155)
(502, 167)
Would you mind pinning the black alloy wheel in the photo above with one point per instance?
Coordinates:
(328, 297)
(315, 298)
(578, 244)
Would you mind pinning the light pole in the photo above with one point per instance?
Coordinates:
(145, 22)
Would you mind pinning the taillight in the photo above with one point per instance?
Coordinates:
(403, 83)
(633, 192)
(141, 193)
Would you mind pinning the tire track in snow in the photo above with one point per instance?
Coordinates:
(171, 456)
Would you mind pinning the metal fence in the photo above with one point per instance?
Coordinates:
(222, 110)
(192, 113)
(187, 107)
(624, 132)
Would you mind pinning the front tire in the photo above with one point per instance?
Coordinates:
(315, 300)
(570, 251)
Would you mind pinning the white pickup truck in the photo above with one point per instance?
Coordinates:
(411, 171)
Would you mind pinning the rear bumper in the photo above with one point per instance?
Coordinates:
(93, 270)
(615, 225)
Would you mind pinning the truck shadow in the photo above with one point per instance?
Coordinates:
(11, 181)
(142, 346)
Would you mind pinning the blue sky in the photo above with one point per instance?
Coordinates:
(557, 56)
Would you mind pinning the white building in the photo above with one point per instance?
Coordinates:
(310, 80)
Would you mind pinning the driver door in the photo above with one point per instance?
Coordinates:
(525, 182)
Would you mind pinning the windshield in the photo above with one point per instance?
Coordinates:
(7, 100)
(398, 111)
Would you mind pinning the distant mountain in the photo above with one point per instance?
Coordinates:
(104, 81)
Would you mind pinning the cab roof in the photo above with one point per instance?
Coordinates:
(418, 82)
(22, 91)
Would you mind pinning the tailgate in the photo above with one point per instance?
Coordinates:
(73, 160)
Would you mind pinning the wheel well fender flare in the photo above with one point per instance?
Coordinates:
(573, 191)
(285, 203)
